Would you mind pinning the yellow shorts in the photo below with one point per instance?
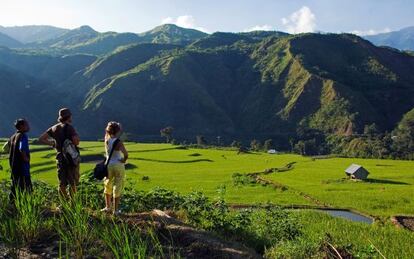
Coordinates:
(114, 183)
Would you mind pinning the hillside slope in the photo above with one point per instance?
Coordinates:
(7, 41)
(239, 85)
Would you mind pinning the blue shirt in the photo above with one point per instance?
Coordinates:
(24, 147)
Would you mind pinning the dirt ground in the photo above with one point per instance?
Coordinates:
(173, 234)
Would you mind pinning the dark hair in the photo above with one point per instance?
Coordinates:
(64, 119)
(19, 123)
(112, 128)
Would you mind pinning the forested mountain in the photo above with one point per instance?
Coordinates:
(238, 85)
(402, 39)
(32, 33)
(85, 40)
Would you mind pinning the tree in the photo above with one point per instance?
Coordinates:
(292, 144)
(201, 141)
(268, 144)
(255, 145)
(371, 130)
(300, 147)
(403, 137)
(236, 143)
(167, 133)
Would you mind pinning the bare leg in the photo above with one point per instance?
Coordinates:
(108, 200)
(117, 201)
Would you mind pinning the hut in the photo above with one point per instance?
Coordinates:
(355, 171)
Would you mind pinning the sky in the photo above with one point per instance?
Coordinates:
(361, 17)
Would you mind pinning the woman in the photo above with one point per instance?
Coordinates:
(114, 182)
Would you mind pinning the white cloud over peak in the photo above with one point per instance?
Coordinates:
(370, 32)
(303, 20)
(185, 21)
(264, 27)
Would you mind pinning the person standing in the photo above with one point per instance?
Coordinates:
(55, 136)
(19, 159)
(114, 182)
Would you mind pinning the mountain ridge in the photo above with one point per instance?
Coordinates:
(235, 85)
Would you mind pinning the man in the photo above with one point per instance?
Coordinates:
(19, 158)
(55, 136)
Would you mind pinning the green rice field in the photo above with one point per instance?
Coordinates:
(388, 191)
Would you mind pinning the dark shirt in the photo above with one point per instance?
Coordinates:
(57, 132)
(24, 147)
(19, 143)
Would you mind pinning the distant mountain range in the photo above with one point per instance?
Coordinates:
(231, 84)
(32, 33)
(402, 39)
(86, 40)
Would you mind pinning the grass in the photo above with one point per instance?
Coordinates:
(387, 193)
(176, 169)
(362, 240)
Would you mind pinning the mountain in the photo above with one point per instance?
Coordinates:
(88, 41)
(402, 39)
(171, 34)
(70, 38)
(32, 33)
(332, 83)
(240, 85)
(24, 96)
(6, 41)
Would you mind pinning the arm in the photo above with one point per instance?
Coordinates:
(24, 148)
(76, 140)
(122, 148)
(45, 139)
(25, 156)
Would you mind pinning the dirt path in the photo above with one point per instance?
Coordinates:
(406, 222)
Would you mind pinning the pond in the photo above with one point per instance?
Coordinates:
(348, 215)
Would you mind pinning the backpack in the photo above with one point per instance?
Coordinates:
(101, 169)
(6, 147)
(69, 150)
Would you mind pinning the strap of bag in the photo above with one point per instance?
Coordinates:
(112, 151)
(13, 147)
(65, 133)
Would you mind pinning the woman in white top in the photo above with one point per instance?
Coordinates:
(114, 182)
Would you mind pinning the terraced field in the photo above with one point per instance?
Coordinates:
(308, 181)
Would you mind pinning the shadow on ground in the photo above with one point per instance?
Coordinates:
(173, 162)
(383, 181)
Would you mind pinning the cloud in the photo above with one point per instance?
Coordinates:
(303, 20)
(264, 27)
(185, 21)
(370, 32)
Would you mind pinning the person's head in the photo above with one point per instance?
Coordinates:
(113, 129)
(65, 115)
(22, 125)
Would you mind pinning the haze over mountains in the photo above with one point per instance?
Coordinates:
(232, 84)
(402, 39)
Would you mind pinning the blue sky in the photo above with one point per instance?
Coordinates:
(361, 17)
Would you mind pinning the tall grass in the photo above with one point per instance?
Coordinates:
(22, 221)
(75, 226)
(29, 208)
(123, 242)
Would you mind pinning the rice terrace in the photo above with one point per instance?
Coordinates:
(207, 129)
(308, 185)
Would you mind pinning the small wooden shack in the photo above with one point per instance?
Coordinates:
(355, 171)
